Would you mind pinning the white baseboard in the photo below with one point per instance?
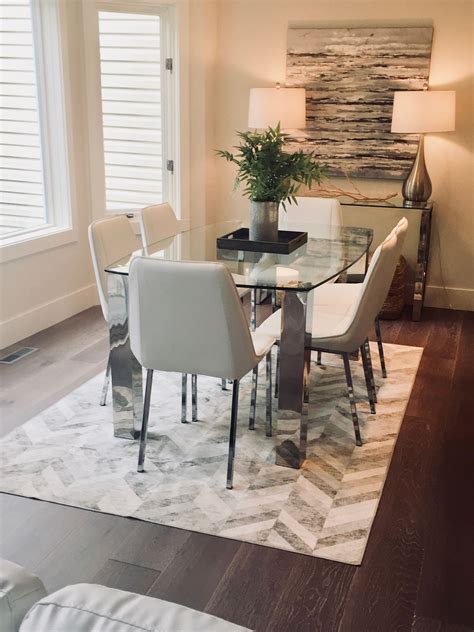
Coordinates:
(45, 315)
(48, 314)
(450, 297)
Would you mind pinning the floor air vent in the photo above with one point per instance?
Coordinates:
(16, 355)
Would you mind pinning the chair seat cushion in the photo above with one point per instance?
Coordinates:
(19, 590)
(93, 608)
(328, 326)
(262, 342)
(332, 316)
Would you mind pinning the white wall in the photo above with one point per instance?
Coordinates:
(252, 52)
(42, 289)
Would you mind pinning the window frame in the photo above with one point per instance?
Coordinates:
(170, 105)
(52, 88)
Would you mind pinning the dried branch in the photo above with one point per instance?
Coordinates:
(331, 191)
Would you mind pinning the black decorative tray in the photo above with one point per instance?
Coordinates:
(288, 241)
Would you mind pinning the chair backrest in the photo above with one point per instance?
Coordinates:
(157, 222)
(110, 239)
(187, 317)
(402, 227)
(375, 286)
(312, 214)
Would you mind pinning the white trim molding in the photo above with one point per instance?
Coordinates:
(43, 316)
(460, 298)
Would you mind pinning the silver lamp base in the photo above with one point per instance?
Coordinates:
(417, 187)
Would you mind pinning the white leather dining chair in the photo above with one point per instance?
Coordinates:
(159, 222)
(346, 332)
(338, 297)
(110, 239)
(187, 317)
(313, 213)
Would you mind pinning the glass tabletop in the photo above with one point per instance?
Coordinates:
(319, 260)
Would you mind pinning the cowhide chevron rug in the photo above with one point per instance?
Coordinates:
(68, 455)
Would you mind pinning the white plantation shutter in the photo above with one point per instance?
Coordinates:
(22, 203)
(131, 72)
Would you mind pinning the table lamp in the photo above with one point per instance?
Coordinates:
(270, 106)
(421, 112)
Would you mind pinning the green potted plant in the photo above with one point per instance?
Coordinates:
(271, 176)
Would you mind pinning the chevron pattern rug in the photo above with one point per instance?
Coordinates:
(68, 455)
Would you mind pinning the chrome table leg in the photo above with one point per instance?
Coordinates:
(295, 339)
(125, 369)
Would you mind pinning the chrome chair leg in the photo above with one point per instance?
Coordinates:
(307, 371)
(268, 419)
(350, 388)
(146, 412)
(368, 381)
(274, 302)
(319, 356)
(105, 388)
(194, 395)
(224, 384)
(253, 309)
(233, 434)
(371, 369)
(380, 346)
(253, 398)
(277, 371)
(184, 397)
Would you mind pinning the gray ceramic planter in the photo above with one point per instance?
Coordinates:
(264, 221)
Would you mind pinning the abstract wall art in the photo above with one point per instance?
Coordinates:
(350, 75)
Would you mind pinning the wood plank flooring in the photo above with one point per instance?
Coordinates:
(418, 570)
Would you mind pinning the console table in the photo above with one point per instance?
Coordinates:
(421, 266)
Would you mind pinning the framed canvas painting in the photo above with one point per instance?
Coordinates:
(350, 75)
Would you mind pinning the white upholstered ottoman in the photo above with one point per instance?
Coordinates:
(93, 608)
(19, 590)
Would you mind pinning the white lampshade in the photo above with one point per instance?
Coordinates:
(270, 106)
(421, 112)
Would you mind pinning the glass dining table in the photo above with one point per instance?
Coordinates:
(316, 262)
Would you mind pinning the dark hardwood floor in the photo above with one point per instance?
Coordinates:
(418, 570)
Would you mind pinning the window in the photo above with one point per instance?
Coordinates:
(130, 73)
(131, 89)
(33, 191)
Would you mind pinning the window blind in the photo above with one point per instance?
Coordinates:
(21, 175)
(130, 65)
